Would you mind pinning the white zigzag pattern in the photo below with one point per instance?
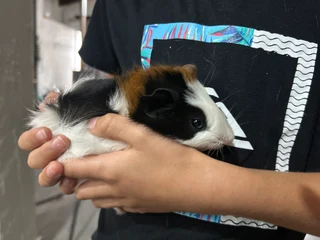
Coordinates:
(306, 53)
(239, 221)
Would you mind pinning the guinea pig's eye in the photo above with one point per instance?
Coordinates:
(197, 123)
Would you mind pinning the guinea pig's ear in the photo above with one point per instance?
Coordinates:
(190, 72)
(159, 104)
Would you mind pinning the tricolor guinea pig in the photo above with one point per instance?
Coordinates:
(170, 100)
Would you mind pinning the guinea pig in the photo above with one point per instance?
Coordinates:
(170, 100)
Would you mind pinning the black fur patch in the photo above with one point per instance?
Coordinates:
(173, 117)
(86, 101)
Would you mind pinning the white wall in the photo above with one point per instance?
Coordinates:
(58, 48)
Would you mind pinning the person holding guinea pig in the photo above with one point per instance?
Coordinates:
(259, 61)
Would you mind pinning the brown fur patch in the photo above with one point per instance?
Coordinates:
(189, 72)
(133, 83)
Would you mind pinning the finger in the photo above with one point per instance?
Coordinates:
(95, 190)
(116, 127)
(34, 138)
(133, 210)
(51, 174)
(40, 157)
(100, 167)
(107, 203)
(67, 185)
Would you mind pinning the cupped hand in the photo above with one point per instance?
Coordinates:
(44, 150)
(154, 174)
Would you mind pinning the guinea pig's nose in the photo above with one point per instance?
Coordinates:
(229, 138)
(230, 141)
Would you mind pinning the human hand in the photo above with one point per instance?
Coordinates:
(153, 174)
(44, 150)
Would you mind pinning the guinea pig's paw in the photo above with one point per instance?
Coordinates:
(119, 211)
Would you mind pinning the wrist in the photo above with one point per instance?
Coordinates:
(228, 187)
(217, 187)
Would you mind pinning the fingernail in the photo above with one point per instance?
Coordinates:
(66, 182)
(68, 185)
(58, 143)
(51, 173)
(92, 123)
(41, 135)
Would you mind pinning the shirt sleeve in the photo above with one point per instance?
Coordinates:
(97, 50)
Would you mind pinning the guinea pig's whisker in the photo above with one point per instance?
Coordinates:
(212, 71)
(241, 124)
(231, 94)
(232, 107)
(221, 152)
(241, 112)
(211, 152)
(229, 148)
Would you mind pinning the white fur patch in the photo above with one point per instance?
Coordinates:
(82, 141)
(119, 103)
(218, 132)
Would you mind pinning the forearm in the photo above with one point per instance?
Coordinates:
(290, 200)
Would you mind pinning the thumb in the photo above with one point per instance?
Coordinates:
(117, 127)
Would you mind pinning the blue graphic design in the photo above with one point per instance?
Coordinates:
(209, 218)
(192, 31)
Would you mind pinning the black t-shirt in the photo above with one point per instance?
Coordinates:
(258, 61)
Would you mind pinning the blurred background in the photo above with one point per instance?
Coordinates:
(39, 43)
